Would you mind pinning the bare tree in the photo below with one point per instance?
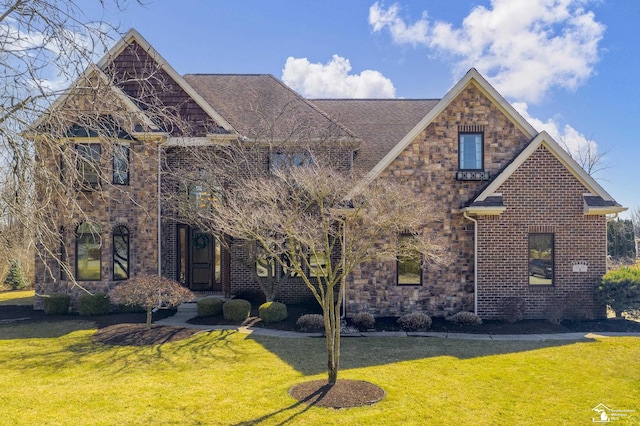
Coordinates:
(151, 292)
(45, 45)
(635, 219)
(588, 156)
(309, 222)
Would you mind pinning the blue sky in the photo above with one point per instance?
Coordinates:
(569, 66)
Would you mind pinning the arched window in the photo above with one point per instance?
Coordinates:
(120, 253)
(88, 252)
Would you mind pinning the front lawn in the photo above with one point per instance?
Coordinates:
(16, 297)
(54, 373)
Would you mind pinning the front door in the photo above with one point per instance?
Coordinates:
(200, 260)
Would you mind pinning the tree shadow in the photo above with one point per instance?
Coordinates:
(308, 356)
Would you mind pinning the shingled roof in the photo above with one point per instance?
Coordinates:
(380, 123)
(261, 107)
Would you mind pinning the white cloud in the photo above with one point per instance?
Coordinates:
(524, 47)
(576, 143)
(400, 31)
(333, 80)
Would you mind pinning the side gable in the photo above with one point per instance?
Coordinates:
(104, 98)
(472, 77)
(596, 200)
(147, 77)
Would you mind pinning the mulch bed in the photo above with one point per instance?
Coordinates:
(128, 328)
(343, 394)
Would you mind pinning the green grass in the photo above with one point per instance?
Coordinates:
(16, 297)
(53, 373)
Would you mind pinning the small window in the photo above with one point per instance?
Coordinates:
(88, 252)
(409, 271)
(318, 265)
(63, 256)
(121, 165)
(88, 163)
(286, 161)
(541, 259)
(471, 151)
(203, 198)
(120, 253)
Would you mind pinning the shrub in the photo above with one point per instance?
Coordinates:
(416, 321)
(93, 304)
(151, 291)
(578, 306)
(15, 277)
(363, 320)
(272, 311)
(554, 312)
(465, 318)
(209, 307)
(620, 289)
(236, 310)
(56, 304)
(512, 309)
(310, 322)
(255, 297)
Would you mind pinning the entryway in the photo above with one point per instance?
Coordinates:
(202, 261)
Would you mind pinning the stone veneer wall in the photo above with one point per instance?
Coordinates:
(133, 205)
(429, 164)
(240, 278)
(541, 196)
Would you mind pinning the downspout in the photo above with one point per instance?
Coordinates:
(344, 277)
(159, 210)
(606, 252)
(475, 261)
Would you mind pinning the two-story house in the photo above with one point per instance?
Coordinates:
(523, 222)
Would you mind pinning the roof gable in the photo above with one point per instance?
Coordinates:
(597, 200)
(133, 38)
(471, 77)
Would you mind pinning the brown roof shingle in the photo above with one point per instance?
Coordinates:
(261, 107)
(380, 123)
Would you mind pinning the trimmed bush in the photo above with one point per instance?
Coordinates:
(56, 304)
(310, 322)
(209, 307)
(465, 318)
(620, 289)
(15, 279)
(554, 312)
(512, 309)
(272, 311)
(93, 304)
(363, 321)
(416, 321)
(236, 310)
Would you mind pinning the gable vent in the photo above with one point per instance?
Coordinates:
(471, 128)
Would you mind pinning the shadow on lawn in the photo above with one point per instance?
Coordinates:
(308, 356)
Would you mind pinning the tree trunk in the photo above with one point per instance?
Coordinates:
(332, 331)
(149, 316)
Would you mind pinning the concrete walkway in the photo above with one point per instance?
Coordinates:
(186, 311)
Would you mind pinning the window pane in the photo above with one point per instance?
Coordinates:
(471, 151)
(409, 270)
(541, 263)
(121, 165)
(121, 253)
(318, 264)
(89, 163)
(217, 261)
(88, 252)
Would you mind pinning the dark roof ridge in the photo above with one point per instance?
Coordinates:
(226, 74)
(374, 99)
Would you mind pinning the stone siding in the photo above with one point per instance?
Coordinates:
(430, 164)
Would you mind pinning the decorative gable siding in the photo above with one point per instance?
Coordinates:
(156, 93)
(542, 195)
(429, 165)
